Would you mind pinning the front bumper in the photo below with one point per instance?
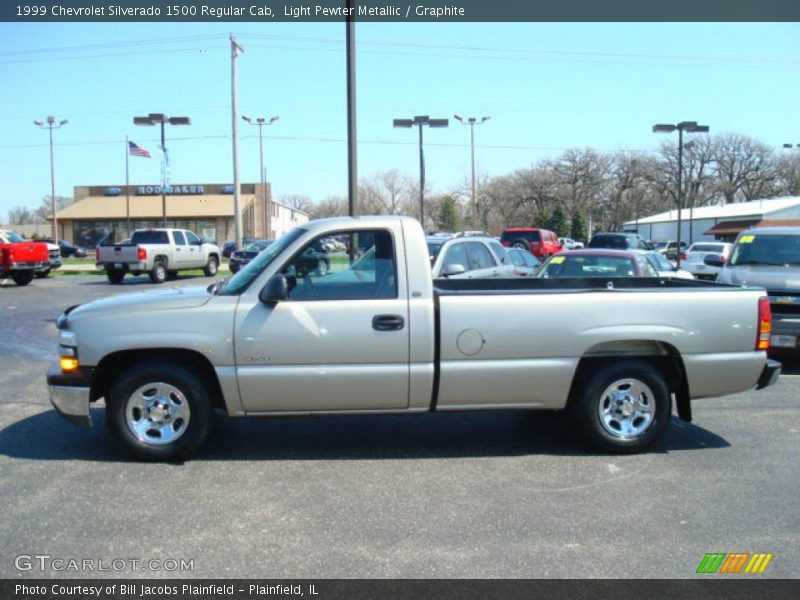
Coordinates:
(70, 394)
(770, 374)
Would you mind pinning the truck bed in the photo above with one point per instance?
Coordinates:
(522, 285)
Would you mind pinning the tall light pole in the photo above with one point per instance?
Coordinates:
(162, 119)
(50, 123)
(420, 121)
(261, 121)
(472, 121)
(634, 167)
(688, 127)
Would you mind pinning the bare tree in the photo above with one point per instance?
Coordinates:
(788, 174)
(332, 206)
(21, 215)
(745, 168)
(298, 202)
(387, 193)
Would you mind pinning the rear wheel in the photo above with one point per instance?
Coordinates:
(158, 274)
(521, 244)
(624, 408)
(22, 277)
(211, 266)
(115, 276)
(159, 411)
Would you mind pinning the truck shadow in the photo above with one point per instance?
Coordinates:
(46, 436)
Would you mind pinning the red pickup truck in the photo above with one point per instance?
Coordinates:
(20, 259)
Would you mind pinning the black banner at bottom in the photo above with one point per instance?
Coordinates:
(397, 589)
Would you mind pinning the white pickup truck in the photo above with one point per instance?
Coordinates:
(160, 253)
(376, 334)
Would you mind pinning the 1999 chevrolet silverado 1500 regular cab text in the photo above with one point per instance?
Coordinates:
(375, 334)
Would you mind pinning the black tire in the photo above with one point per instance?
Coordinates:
(158, 274)
(234, 267)
(193, 390)
(22, 277)
(115, 276)
(521, 244)
(608, 433)
(42, 274)
(211, 266)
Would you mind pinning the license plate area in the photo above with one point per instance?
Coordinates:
(117, 265)
(783, 341)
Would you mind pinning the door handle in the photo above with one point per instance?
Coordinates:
(388, 322)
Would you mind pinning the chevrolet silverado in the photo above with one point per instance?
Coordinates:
(376, 334)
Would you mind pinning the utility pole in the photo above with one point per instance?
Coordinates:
(472, 121)
(50, 124)
(237, 214)
(261, 121)
(352, 138)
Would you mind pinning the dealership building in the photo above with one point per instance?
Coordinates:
(102, 212)
(719, 222)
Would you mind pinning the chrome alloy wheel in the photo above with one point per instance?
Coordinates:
(157, 413)
(627, 408)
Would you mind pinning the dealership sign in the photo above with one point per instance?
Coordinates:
(154, 190)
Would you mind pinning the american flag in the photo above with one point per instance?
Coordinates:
(135, 150)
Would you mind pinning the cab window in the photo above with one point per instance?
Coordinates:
(369, 271)
(479, 256)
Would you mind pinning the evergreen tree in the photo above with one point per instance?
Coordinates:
(577, 230)
(557, 221)
(448, 219)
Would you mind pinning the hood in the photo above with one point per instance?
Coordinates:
(766, 276)
(161, 299)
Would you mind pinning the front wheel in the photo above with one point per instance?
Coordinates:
(159, 411)
(22, 277)
(624, 408)
(42, 274)
(211, 266)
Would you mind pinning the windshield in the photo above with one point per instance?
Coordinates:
(242, 280)
(707, 248)
(433, 249)
(776, 250)
(257, 246)
(14, 237)
(584, 265)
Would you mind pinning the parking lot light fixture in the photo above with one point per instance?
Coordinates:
(421, 121)
(472, 121)
(50, 124)
(162, 119)
(687, 127)
(260, 122)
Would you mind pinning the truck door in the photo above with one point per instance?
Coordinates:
(340, 341)
(181, 254)
(196, 258)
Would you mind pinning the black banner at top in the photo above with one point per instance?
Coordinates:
(32, 11)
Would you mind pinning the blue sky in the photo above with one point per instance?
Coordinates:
(547, 87)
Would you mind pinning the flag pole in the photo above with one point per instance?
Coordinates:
(127, 190)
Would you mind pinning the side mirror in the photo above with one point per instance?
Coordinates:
(455, 269)
(276, 290)
(714, 260)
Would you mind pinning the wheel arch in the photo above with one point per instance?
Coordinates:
(112, 365)
(661, 355)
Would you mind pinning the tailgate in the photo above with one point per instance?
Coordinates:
(24, 252)
(118, 253)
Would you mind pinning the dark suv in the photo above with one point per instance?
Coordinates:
(539, 242)
(619, 241)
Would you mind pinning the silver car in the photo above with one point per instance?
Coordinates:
(472, 258)
(696, 255)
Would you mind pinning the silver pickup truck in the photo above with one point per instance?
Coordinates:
(376, 334)
(160, 253)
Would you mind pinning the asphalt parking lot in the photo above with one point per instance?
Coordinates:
(505, 494)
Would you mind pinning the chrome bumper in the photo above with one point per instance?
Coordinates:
(69, 395)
